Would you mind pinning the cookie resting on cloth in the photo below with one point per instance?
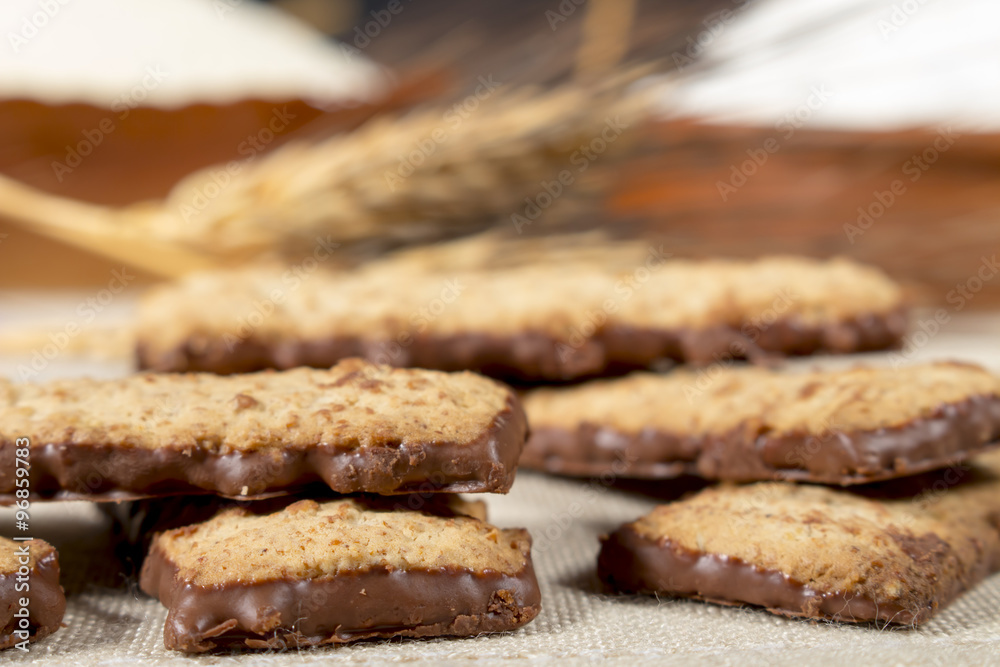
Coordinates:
(894, 552)
(338, 571)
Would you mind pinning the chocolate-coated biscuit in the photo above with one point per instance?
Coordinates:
(29, 571)
(749, 424)
(357, 427)
(542, 321)
(337, 571)
(893, 552)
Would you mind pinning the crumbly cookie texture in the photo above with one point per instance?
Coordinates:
(336, 571)
(581, 307)
(759, 400)
(358, 427)
(11, 554)
(308, 540)
(896, 552)
(354, 404)
(141, 521)
(46, 605)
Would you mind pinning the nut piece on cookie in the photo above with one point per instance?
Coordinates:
(539, 321)
(754, 424)
(357, 427)
(36, 563)
(337, 571)
(894, 553)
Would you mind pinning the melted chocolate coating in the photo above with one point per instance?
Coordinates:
(630, 563)
(952, 433)
(98, 472)
(535, 356)
(47, 602)
(342, 608)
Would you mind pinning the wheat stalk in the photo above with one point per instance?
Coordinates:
(396, 178)
(405, 178)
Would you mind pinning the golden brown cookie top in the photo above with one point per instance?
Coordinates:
(392, 299)
(352, 405)
(718, 400)
(831, 540)
(310, 540)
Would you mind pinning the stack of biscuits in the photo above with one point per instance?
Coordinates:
(867, 494)
(281, 389)
(877, 541)
(290, 560)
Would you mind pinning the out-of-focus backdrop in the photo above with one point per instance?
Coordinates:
(141, 140)
(825, 127)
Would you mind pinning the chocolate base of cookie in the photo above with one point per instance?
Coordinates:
(343, 608)
(630, 563)
(537, 356)
(591, 450)
(951, 433)
(83, 470)
(47, 603)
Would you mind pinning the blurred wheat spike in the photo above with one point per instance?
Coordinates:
(403, 178)
(427, 174)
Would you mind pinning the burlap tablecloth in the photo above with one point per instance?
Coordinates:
(110, 622)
